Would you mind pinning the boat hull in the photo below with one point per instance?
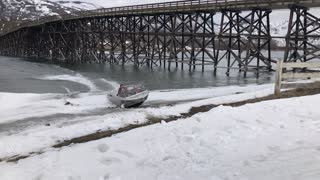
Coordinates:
(128, 102)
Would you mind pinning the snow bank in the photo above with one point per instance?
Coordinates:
(276, 140)
(16, 107)
(92, 112)
(202, 93)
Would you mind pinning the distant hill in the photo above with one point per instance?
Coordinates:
(13, 12)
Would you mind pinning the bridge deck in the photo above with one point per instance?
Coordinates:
(175, 7)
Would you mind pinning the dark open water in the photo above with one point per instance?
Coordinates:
(26, 76)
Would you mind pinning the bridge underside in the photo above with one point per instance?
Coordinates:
(171, 40)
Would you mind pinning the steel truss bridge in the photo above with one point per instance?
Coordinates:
(178, 34)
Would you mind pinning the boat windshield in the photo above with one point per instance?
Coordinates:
(129, 90)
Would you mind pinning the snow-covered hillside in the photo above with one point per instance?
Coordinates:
(115, 3)
(79, 5)
(15, 11)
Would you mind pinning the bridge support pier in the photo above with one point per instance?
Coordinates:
(179, 39)
(302, 27)
(249, 34)
(258, 47)
(229, 40)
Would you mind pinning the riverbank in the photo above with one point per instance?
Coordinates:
(200, 139)
(45, 119)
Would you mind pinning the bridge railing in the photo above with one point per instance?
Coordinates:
(154, 8)
(181, 4)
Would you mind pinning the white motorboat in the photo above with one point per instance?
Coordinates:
(129, 96)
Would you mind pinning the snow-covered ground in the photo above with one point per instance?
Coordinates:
(269, 140)
(276, 140)
(45, 119)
